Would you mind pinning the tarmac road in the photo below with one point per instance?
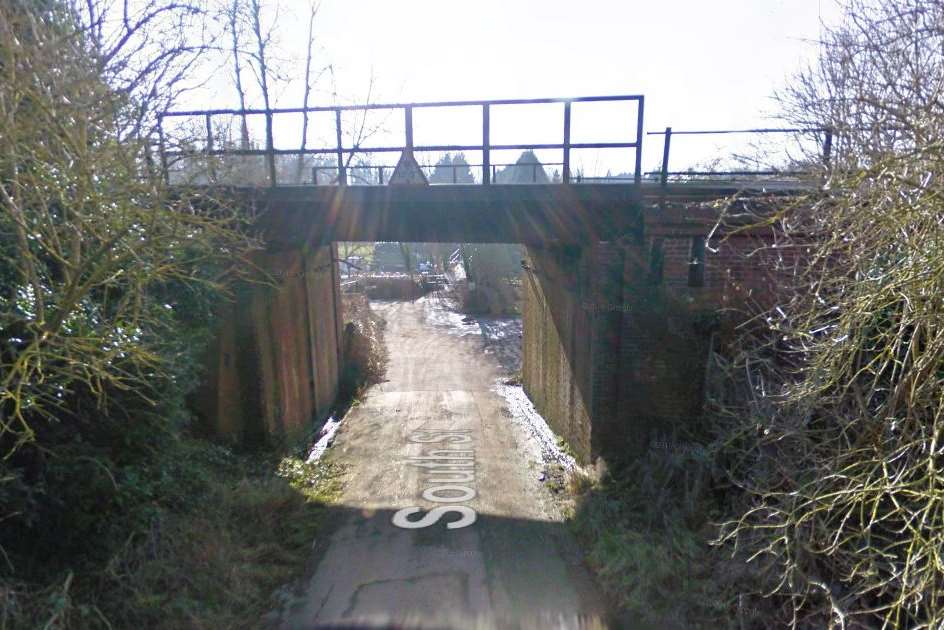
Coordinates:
(437, 426)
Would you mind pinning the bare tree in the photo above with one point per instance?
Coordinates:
(252, 29)
(149, 50)
(260, 55)
(233, 14)
(306, 96)
(93, 230)
(845, 480)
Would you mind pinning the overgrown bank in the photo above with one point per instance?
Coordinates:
(646, 528)
(214, 534)
(365, 356)
(492, 283)
(818, 469)
(112, 514)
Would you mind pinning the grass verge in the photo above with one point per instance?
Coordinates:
(211, 561)
(645, 529)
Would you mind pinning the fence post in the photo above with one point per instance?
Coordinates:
(270, 149)
(209, 130)
(161, 148)
(828, 146)
(565, 176)
(637, 177)
(342, 172)
(486, 155)
(408, 126)
(380, 170)
(664, 178)
(211, 170)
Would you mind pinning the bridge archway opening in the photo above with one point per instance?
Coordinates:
(605, 359)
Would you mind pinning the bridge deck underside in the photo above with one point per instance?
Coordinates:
(539, 214)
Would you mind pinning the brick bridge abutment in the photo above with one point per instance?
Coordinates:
(615, 336)
(609, 359)
(273, 367)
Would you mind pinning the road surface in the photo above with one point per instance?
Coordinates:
(436, 434)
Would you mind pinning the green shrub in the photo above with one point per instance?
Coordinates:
(108, 279)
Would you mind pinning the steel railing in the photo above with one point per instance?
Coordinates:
(664, 172)
(524, 173)
(340, 150)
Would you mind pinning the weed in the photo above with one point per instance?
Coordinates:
(645, 530)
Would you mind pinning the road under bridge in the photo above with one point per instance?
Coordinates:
(616, 279)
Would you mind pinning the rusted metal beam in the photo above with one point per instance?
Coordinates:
(637, 172)
(699, 132)
(664, 178)
(342, 174)
(486, 149)
(408, 126)
(331, 108)
(565, 176)
(417, 149)
(270, 150)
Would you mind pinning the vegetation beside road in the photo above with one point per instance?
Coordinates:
(365, 356)
(493, 277)
(113, 513)
(645, 528)
(218, 533)
(819, 465)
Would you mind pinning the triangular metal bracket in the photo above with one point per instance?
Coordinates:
(407, 172)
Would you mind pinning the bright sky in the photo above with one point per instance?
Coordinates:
(701, 64)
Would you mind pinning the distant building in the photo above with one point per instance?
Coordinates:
(351, 265)
(389, 257)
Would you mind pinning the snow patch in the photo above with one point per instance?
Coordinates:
(457, 271)
(325, 438)
(441, 316)
(525, 415)
(500, 328)
(439, 313)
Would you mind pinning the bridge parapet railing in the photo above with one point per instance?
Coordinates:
(530, 172)
(248, 161)
(813, 146)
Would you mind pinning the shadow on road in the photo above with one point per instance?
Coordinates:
(496, 573)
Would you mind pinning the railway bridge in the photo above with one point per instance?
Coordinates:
(617, 277)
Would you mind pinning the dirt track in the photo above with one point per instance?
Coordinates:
(516, 566)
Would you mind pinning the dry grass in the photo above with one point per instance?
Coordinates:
(365, 355)
(645, 531)
(834, 412)
(391, 286)
(213, 564)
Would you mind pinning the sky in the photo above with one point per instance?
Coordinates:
(700, 64)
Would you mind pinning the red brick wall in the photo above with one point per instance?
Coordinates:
(737, 268)
(556, 347)
(609, 361)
